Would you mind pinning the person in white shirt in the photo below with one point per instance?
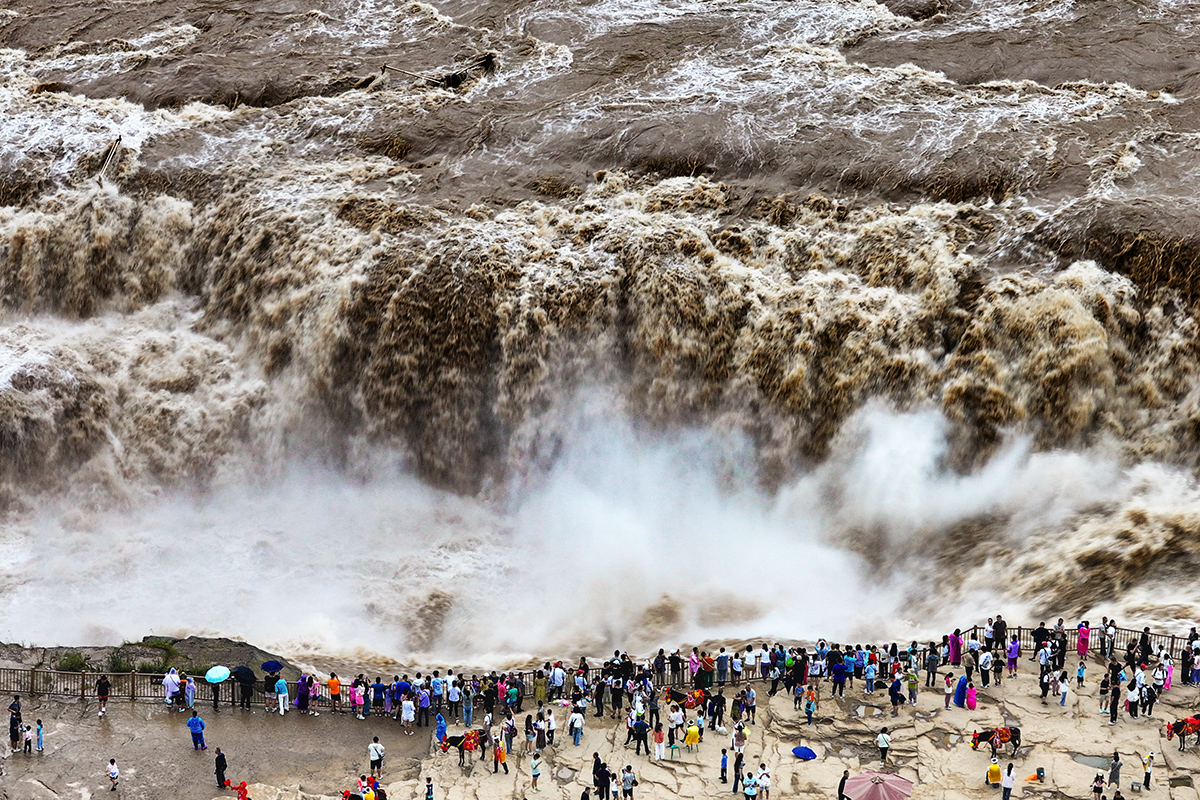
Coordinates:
(884, 742)
(114, 773)
(763, 776)
(575, 726)
(985, 667)
(675, 724)
(764, 660)
(375, 755)
(1007, 781)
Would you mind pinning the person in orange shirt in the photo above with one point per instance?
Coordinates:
(335, 692)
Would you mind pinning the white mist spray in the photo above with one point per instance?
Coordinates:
(630, 539)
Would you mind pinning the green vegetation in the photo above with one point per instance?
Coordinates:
(118, 663)
(169, 653)
(73, 661)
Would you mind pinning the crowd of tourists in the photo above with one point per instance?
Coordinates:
(673, 700)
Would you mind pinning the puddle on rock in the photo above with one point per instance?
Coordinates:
(1096, 762)
(1182, 780)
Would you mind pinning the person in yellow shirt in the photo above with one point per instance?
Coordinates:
(993, 773)
(692, 737)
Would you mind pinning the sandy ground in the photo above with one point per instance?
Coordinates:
(319, 755)
(298, 757)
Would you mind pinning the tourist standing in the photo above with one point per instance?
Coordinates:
(196, 726)
(883, 741)
(103, 687)
(1114, 770)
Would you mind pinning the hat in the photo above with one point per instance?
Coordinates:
(995, 760)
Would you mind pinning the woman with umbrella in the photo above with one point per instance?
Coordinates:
(245, 678)
(215, 677)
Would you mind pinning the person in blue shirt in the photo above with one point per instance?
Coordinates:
(196, 726)
(870, 671)
(281, 692)
(838, 672)
(438, 687)
(722, 667)
(423, 708)
(852, 666)
(378, 695)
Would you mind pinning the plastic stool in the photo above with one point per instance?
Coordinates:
(1136, 786)
(673, 751)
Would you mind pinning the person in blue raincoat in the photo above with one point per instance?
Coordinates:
(960, 692)
(441, 728)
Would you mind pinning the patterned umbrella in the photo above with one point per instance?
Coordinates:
(878, 786)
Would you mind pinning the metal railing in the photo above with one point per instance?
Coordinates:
(140, 686)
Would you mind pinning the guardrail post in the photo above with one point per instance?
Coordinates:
(132, 685)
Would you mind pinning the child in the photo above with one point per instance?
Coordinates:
(798, 700)
(39, 735)
(28, 740)
(810, 705)
(356, 700)
(1079, 674)
(114, 773)
(1104, 684)
(949, 688)
(724, 765)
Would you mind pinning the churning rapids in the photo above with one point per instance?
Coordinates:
(594, 321)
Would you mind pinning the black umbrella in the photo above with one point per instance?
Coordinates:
(244, 674)
(272, 666)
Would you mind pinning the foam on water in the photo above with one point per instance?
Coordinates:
(331, 345)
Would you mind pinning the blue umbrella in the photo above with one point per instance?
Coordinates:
(217, 674)
(243, 674)
(804, 753)
(272, 666)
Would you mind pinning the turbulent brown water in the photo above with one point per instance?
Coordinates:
(594, 322)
